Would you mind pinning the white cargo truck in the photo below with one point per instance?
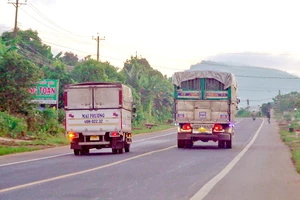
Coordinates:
(205, 107)
(98, 115)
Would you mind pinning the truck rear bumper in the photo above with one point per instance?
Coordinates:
(195, 137)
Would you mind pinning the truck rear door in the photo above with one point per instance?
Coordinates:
(79, 98)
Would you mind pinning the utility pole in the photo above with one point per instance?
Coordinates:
(98, 41)
(16, 4)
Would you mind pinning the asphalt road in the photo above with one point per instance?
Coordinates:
(258, 167)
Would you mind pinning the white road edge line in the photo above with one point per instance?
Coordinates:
(36, 159)
(48, 157)
(211, 184)
(83, 172)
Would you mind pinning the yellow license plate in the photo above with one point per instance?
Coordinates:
(94, 137)
(202, 130)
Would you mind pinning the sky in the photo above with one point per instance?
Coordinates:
(171, 34)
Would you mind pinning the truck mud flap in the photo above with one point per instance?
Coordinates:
(75, 146)
(224, 137)
(184, 136)
(117, 144)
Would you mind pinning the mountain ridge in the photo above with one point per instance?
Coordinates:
(257, 84)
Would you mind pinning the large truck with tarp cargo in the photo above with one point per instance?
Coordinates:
(98, 115)
(205, 107)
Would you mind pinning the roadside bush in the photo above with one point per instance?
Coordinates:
(47, 122)
(287, 117)
(10, 126)
(243, 113)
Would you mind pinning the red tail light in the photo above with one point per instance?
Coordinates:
(186, 127)
(218, 127)
(114, 134)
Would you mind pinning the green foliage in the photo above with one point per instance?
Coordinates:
(287, 117)
(70, 58)
(243, 113)
(11, 126)
(17, 75)
(45, 121)
(58, 72)
(4, 150)
(287, 102)
(89, 71)
(30, 45)
(154, 90)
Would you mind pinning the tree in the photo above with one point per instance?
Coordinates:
(59, 72)
(70, 58)
(154, 89)
(89, 71)
(17, 75)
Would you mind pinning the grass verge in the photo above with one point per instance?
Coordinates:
(46, 141)
(293, 142)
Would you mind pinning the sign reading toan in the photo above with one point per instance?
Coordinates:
(46, 92)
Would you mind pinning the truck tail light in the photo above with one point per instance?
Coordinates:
(65, 99)
(186, 127)
(218, 127)
(72, 135)
(114, 134)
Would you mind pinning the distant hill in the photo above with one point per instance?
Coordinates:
(257, 84)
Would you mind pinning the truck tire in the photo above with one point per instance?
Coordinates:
(229, 143)
(76, 152)
(221, 144)
(180, 143)
(120, 151)
(127, 147)
(114, 151)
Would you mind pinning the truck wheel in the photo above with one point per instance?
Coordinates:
(229, 143)
(180, 143)
(120, 151)
(221, 144)
(127, 147)
(76, 152)
(114, 151)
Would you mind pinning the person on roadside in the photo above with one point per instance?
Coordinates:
(253, 115)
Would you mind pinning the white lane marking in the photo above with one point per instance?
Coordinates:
(83, 172)
(43, 158)
(211, 184)
(31, 160)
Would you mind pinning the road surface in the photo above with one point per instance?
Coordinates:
(258, 167)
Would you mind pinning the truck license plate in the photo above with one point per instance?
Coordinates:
(94, 137)
(202, 130)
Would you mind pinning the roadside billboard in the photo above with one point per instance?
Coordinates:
(46, 92)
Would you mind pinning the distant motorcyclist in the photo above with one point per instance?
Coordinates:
(269, 116)
(253, 114)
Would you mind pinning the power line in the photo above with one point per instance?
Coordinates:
(51, 22)
(269, 77)
(16, 4)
